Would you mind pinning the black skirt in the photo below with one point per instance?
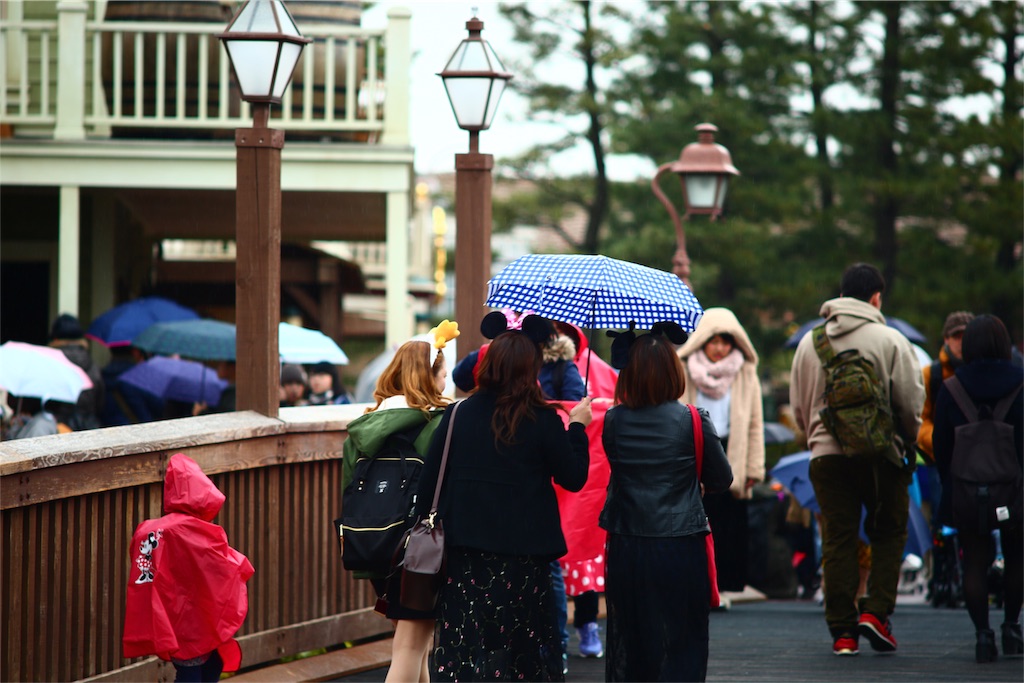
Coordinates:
(659, 601)
(496, 620)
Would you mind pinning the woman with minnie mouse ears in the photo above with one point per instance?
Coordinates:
(502, 529)
(657, 585)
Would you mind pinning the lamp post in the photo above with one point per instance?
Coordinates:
(263, 45)
(474, 79)
(704, 168)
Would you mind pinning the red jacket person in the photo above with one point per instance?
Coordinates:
(186, 590)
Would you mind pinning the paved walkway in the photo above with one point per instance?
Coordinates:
(786, 640)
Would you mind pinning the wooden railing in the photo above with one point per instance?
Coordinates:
(92, 77)
(70, 503)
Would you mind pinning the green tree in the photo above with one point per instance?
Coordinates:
(560, 33)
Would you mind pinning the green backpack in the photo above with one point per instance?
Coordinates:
(857, 412)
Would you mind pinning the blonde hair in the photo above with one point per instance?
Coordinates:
(411, 374)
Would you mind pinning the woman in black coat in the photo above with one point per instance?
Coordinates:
(657, 584)
(501, 519)
(988, 376)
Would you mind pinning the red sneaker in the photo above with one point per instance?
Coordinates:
(879, 633)
(845, 645)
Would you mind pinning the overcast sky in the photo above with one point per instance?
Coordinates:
(437, 29)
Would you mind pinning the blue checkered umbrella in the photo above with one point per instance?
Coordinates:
(594, 292)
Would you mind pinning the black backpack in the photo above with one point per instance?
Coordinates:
(377, 505)
(985, 474)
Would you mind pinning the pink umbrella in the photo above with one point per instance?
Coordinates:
(28, 370)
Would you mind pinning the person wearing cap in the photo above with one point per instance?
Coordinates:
(294, 384)
(939, 371)
(67, 334)
(324, 386)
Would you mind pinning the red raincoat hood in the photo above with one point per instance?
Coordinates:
(187, 591)
(187, 489)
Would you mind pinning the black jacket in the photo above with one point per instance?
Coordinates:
(501, 500)
(653, 489)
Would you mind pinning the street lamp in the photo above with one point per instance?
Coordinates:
(474, 79)
(263, 45)
(704, 168)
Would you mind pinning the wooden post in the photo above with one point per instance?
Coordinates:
(472, 244)
(258, 264)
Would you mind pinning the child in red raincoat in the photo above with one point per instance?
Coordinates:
(186, 591)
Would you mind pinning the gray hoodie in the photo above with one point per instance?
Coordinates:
(855, 324)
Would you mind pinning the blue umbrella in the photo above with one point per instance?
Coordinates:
(176, 379)
(793, 472)
(919, 534)
(593, 291)
(908, 330)
(121, 324)
(203, 339)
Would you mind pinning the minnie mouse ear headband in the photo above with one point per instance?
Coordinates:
(538, 329)
(445, 331)
(623, 341)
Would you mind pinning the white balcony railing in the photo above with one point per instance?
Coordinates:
(155, 79)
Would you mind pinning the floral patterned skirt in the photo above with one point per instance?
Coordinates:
(496, 620)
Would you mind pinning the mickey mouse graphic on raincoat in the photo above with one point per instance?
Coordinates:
(186, 588)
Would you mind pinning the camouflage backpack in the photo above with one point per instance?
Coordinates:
(857, 412)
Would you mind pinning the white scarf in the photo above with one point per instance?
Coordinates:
(714, 379)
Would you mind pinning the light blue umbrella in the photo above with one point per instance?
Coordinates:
(594, 292)
(305, 346)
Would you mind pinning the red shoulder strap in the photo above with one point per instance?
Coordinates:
(698, 438)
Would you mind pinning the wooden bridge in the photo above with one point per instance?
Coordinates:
(70, 503)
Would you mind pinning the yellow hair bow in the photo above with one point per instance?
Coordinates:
(445, 331)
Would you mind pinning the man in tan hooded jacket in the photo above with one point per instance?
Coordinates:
(844, 484)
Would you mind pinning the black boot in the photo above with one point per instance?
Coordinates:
(985, 649)
(1012, 642)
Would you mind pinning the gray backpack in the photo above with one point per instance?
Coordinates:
(985, 474)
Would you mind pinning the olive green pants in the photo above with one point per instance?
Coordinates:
(843, 486)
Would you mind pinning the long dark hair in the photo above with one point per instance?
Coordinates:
(653, 375)
(986, 338)
(509, 370)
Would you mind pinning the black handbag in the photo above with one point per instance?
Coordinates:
(422, 564)
(378, 504)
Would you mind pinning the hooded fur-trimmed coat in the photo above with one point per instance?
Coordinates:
(746, 411)
(560, 351)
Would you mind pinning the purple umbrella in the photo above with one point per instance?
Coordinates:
(176, 379)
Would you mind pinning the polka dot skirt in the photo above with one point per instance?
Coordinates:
(583, 576)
